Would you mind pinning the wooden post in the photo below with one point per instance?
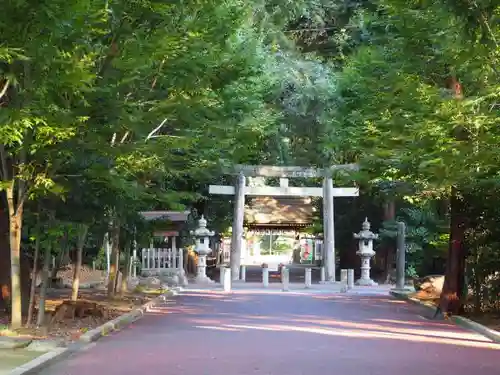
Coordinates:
(329, 225)
(400, 257)
(237, 235)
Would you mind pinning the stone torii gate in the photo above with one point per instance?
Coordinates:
(328, 192)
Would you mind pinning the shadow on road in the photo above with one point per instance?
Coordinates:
(365, 317)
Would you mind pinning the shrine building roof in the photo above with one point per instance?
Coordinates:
(279, 212)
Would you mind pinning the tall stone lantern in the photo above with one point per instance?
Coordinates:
(365, 252)
(202, 236)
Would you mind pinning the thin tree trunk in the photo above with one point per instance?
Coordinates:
(125, 272)
(451, 301)
(64, 248)
(31, 304)
(15, 227)
(115, 258)
(478, 279)
(43, 289)
(82, 235)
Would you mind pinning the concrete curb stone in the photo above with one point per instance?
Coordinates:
(458, 320)
(93, 335)
(479, 328)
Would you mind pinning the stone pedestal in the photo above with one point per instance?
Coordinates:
(343, 276)
(365, 279)
(350, 278)
(221, 275)
(308, 278)
(265, 277)
(322, 275)
(285, 279)
(227, 280)
(201, 270)
(243, 273)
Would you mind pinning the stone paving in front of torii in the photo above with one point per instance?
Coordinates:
(294, 288)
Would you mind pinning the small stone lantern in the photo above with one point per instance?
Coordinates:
(365, 251)
(202, 236)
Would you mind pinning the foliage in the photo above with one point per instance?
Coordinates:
(426, 238)
(112, 108)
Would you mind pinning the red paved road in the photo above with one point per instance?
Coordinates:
(214, 334)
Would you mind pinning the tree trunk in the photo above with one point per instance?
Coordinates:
(478, 281)
(115, 258)
(125, 272)
(451, 301)
(43, 289)
(82, 235)
(31, 304)
(15, 227)
(62, 256)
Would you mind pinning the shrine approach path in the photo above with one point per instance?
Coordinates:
(211, 333)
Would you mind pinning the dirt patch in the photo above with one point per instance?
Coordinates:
(68, 321)
(87, 275)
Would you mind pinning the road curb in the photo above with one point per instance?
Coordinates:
(458, 320)
(479, 328)
(58, 354)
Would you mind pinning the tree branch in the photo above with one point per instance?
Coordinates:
(5, 88)
(155, 130)
(124, 138)
(3, 157)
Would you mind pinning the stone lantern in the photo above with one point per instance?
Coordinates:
(365, 251)
(202, 236)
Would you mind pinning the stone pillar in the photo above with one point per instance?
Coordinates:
(350, 278)
(237, 235)
(227, 280)
(329, 231)
(181, 260)
(265, 277)
(308, 279)
(285, 278)
(343, 276)
(243, 272)
(222, 269)
(401, 256)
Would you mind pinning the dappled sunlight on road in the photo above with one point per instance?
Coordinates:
(387, 328)
(200, 313)
(211, 332)
(407, 322)
(365, 334)
(214, 328)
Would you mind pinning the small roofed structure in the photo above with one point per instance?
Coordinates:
(276, 230)
(279, 213)
(171, 221)
(163, 253)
